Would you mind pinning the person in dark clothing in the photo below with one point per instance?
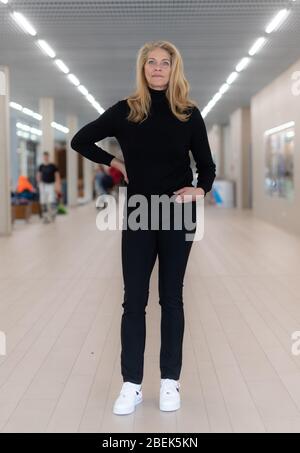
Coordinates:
(156, 128)
(101, 180)
(49, 182)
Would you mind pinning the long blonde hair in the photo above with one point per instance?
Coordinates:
(178, 88)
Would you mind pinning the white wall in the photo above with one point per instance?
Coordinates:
(276, 104)
(215, 142)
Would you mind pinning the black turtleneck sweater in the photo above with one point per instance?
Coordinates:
(156, 151)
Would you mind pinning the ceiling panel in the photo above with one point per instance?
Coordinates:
(99, 41)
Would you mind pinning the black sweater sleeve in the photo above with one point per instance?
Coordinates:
(84, 141)
(206, 168)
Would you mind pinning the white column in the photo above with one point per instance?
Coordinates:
(215, 143)
(14, 156)
(5, 179)
(72, 163)
(88, 179)
(240, 142)
(46, 106)
(23, 158)
(226, 151)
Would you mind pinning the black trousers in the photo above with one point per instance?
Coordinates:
(140, 248)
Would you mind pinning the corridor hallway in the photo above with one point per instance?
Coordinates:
(60, 309)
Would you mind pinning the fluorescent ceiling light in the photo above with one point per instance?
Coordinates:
(280, 128)
(242, 64)
(83, 90)
(59, 127)
(98, 107)
(290, 134)
(275, 23)
(259, 43)
(61, 65)
(22, 126)
(217, 97)
(207, 109)
(231, 78)
(35, 131)
(15, 106)
(37, 116)
(23, 23)
(73, 79)
(211, 104)
(27, 111)
(46, 48)
(91, 98)
(277, 20)
(4, 1)
(224, 88)
(22, 134)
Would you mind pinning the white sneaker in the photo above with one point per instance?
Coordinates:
(130, 396)
(169, 395)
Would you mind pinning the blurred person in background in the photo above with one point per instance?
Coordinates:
(49, 182)
(25, 189)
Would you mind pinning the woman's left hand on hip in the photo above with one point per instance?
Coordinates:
(191, 191)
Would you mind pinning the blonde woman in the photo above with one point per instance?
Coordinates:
(156, 127)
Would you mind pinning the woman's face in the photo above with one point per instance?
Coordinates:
(158, 69)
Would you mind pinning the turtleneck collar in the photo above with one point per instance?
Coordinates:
(157, 95)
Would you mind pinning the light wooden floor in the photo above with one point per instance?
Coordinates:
(60, 307)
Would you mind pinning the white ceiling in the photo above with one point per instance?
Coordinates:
(99, 41)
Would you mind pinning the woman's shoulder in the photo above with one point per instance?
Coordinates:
(120, 106)
(115, 112)
(193, 109)
(195, 113)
